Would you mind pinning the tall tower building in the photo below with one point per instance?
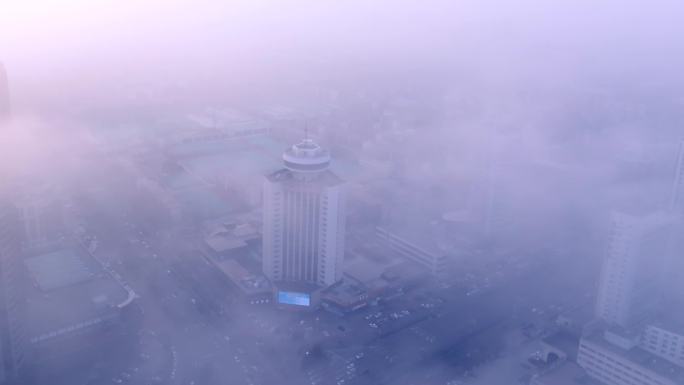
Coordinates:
(630, 286)
(677, 193)
(40, 215)
(304, 219)
(676, 208)
(5, 109)
(12, 341)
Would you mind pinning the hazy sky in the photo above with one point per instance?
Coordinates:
(36, 34)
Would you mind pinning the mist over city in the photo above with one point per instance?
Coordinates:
(299, 192)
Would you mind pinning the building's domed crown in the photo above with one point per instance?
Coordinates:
(306, 156)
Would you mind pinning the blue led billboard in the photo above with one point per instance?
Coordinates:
(294, 298)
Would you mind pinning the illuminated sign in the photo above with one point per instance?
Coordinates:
(293, 298)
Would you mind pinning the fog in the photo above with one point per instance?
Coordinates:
(510, 180)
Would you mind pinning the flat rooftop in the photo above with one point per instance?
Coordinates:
(70, 289)
(364, 269)
(345, 292)
(58, 269)
(640, 357)
(249, 283)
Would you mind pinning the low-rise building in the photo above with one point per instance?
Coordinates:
(665, 338)
(70, 293)
(224, 238)
(255, 288)
(346, 296)
(422, 253)
(614, 358)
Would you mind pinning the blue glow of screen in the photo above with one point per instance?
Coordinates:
(293, 298)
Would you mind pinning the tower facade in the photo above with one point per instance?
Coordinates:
(676, 208)
(304, 219)
(677, 193)
(5, 109)
(12, 336)
(630, 286)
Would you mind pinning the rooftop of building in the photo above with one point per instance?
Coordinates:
(366, 269)
(69, 288)
(246, 281)
(346, 292)
(407, 271)
(422, 238)
(226, 235)
(638, 356)
(306, 156)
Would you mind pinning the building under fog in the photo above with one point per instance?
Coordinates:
(630, 286)
(631, 343)
(41, 217)
(12, 341)
(5, 109)
(304, 224)
(677, 194)
(425, 253)
(617, 359)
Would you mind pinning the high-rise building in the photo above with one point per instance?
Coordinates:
(12, 336)
(40, 216)
(304, 220)
(677, 194)
(630, 344)
(676, 208)
(5, 109)
(630, 286)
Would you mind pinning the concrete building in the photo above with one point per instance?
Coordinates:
(227, 237)
(677, 193)
(304, 219)
(616, 359)
(630, 284)
(422, 253)
(629, 343)
(255, 288)
(41, 217)
(5, 107)
(665, 338)
(12, 336)
(676, 207)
